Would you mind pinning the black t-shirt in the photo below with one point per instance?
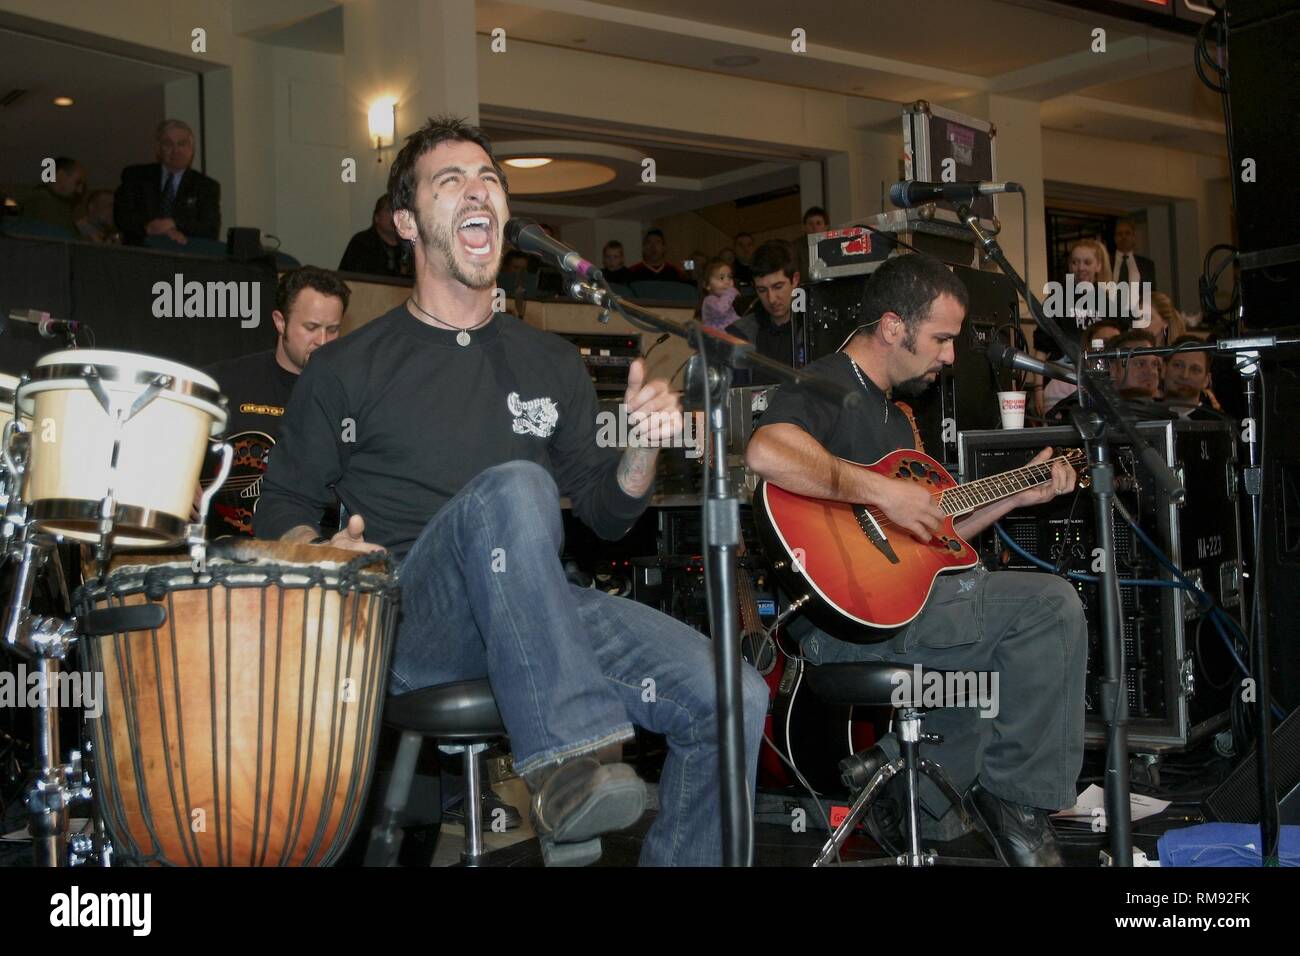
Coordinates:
(397, 417)
(258, 390)
(864, 434)
(774, 341)
(368, 253)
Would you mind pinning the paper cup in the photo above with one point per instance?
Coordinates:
(1012, 407)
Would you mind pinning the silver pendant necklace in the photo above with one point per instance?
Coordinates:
(863, 382)
(462, 335)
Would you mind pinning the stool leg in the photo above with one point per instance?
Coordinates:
(859, 809)
(473, 805)
(385, 836)
(909, 744)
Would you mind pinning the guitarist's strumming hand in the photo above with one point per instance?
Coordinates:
(910, 507)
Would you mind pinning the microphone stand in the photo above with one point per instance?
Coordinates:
(1246, 350)
(1092, 424)
(707, 386)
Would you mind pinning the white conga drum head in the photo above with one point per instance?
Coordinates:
(159, 451)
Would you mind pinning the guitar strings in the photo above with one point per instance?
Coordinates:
(883, 521)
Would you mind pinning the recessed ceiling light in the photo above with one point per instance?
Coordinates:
(737, 59)
(63, 101)
(528, 162)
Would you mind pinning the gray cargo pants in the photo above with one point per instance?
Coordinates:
(1028, 628)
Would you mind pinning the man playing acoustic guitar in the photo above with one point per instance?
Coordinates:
(1028, 627)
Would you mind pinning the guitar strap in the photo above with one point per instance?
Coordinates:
(911, 420)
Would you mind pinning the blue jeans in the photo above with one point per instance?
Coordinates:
(572, 669)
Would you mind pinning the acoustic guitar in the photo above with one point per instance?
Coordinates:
(867, 576)
(231, 510)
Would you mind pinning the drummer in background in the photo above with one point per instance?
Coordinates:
(309, 307)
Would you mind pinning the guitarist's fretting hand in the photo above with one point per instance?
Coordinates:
(910, 507)
(1063, 480)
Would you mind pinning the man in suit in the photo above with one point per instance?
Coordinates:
(1129, 266)
(167, 198)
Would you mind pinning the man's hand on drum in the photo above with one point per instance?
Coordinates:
(352, 538)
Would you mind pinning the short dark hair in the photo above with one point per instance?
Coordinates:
(1205, 345)
(612, 244)
(654, 232)
(380, 203)
(1091, 331)
(908, 285)
(309, 277)
(740, 234)
(771, 256)
(436, 131)
(64, 163)
(815, 211)
(1133, 339)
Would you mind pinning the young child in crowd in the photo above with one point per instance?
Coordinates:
(718, 308)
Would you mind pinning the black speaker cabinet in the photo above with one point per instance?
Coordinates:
(1264, 94)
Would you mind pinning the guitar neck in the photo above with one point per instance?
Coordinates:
(983, 491)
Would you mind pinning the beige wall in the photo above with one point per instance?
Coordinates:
(278, 164)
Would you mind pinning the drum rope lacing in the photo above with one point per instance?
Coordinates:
(158, 584)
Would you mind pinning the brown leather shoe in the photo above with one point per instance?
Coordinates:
(577, 801)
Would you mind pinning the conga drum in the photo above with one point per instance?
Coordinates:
(122, 425)
(241, 731)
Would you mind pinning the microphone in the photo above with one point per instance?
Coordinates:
(527, 236)
(46, 326)
(912, 192)
(1003, 355)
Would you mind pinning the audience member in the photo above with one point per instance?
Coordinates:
(1137, 376)
(1167, 323)
(771, 326)
(375, 251)
(168, 198)
(1187, 379)
(612, 264)
(718, 309)
(1087, 265)
(653, 266)
(97, 223)
(1093, 337)
(53, 203)
(744, 252)
(728, 255)
(1129, 266)
(815, 220)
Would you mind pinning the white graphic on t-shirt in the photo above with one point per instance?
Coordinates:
(537, 416)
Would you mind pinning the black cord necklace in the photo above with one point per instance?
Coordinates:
(462, 335)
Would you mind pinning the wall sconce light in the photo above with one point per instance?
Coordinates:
(382, 122)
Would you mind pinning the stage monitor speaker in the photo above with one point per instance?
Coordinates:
(1280, 565)
(1236, 800)
(1264, 95)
